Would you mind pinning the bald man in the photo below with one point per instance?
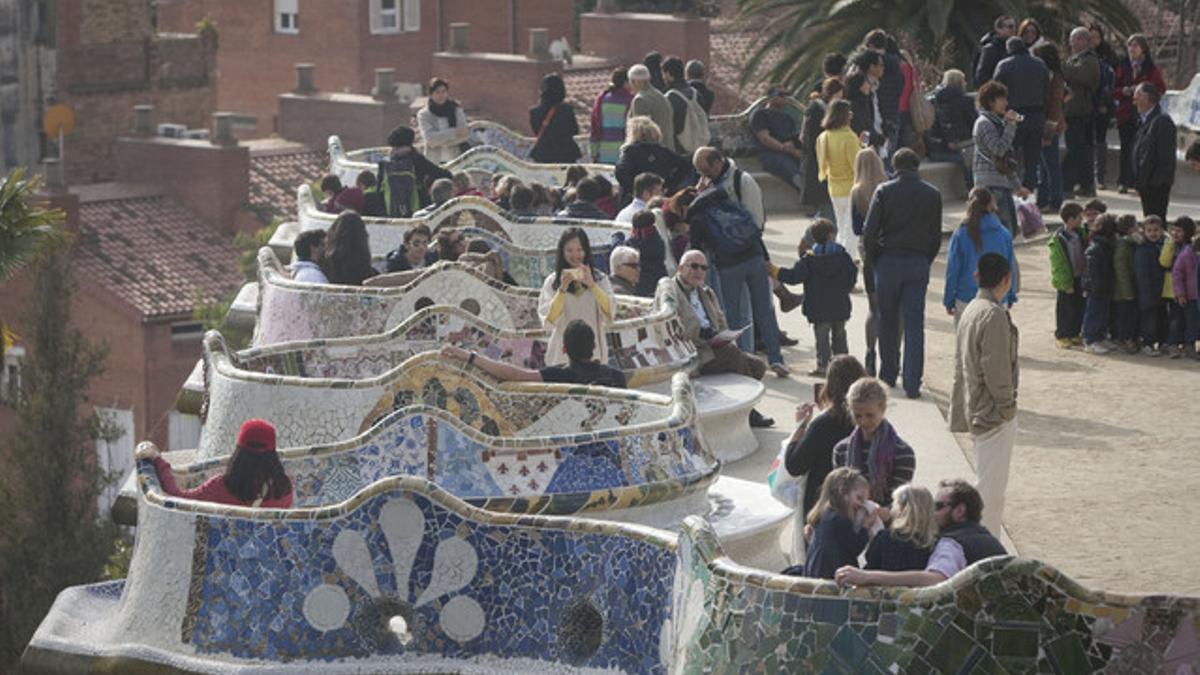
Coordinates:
(699, 311)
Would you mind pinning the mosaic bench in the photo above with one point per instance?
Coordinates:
(403, 577)
(289, 310)
(733, 133)
(486, 132)
(724, 403)
(480, 163)
(471, 213)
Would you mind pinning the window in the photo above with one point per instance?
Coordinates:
(287, 16)
(395, 16)
(10, 375)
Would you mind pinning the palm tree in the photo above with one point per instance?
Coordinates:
(26, 227)
(797, 34)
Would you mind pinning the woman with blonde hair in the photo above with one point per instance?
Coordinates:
(868, 175)
(837, 148)
(905, 545)
(644, 152)
(874, 448)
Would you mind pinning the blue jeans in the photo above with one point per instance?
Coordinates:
(901, 279)
(750, 275)
(1050, 177)
(784, 166)
(1006, 209)
(1095, 319)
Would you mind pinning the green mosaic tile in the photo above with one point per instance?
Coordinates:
(830, 610)
(1068, 655)
(952, 651)
(849, 646)
(1015, 642)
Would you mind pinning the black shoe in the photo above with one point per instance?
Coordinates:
(913, 394)
(870, 365)
(760, 421)
(786, 340)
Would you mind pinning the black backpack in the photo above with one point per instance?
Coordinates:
(731, 228)
(397, 180)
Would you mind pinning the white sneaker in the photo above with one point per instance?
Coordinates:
(1096, 348)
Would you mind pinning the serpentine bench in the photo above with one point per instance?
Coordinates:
(404, 577)
(480, 163)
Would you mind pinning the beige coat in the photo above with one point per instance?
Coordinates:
(985, 376)
(671, 291)
(584, 306)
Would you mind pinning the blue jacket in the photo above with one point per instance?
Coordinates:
(1148, 274)
(1101, 278)
(962, 259)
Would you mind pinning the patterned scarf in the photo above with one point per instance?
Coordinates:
(878, 458)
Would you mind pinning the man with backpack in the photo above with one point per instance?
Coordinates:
(688, 116)
(732, 241)
(778, 139)
(403, 178)
(1083, 77)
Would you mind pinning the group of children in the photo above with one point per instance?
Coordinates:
(1123, 285)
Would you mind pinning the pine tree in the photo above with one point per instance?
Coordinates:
(51, 533)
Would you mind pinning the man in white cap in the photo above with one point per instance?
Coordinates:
(651, 102)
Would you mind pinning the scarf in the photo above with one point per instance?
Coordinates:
(878, 459)
(447, 110)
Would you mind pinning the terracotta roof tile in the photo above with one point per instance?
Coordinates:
(274, 177)
(155, 254)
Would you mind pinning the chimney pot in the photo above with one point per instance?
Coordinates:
(539, 43)
(222, 133)
(143, 120)
(53, 179)
(385, 87)
(306, 79)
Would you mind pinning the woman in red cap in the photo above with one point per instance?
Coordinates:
(254, 477)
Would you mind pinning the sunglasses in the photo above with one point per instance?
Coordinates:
(698, 266)
(633, 265)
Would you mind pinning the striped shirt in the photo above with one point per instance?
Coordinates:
(903, 467)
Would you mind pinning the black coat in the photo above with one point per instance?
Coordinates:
(953, 117)
(1154, 151)
(1148, 274)
(1101, 277)
(706, 95)
(815, 192)
(864, 116)
(991, 50)
(556, 144)
(653, 158)
(891, 86)
(828, 280)
(892, 554)
(1026, 78)
(905, 215)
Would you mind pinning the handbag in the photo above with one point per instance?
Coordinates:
(785, 488)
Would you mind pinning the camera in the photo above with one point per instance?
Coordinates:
(1020, 118)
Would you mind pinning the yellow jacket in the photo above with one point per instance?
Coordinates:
(836, 150)
(1166, 258)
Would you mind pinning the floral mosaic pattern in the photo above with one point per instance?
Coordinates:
(291, 311)
(347, 166)
(473, 213)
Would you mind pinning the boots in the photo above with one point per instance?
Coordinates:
(787, 299)
(870, 364)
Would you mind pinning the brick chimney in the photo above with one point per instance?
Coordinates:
(54, 192)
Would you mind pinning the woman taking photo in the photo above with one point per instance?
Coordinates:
(554, 126)
(575, 291)
(443, 124)
(254, 477)
(347, 257)
(995, 165)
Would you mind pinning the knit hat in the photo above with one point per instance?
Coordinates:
(401, 137)
(257, 436)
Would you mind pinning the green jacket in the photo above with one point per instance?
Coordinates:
(1062, 275)
(1123, 262)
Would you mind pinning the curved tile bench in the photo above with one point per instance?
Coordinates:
(482, 161)
(724, 403)
(475, 213)
(289, 310)
(403, 577)
(486, 132)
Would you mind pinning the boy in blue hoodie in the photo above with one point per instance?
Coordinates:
(1148, 278)
(828, 274)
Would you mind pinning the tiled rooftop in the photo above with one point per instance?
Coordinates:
(275, 175)
(155, 254)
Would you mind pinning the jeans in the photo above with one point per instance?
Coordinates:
(751, 275)
(1028, 144)
(1077, 163)
(1068, 313)
(955, 156)
(784, 166)
(1175, 323)
(1006, 209)
(1050, 177)
(1191, 322)
(822, 332)
(1152, 326)
(901, 279)
(1127, 320)
(1095, 319)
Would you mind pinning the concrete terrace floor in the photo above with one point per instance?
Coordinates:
(1106, 449)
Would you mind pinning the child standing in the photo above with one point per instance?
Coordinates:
(1183, 281)
(1092, 210)
(1098, 285)
(828, 274)
(841, 524)
(1067, 267)
(1182, 232)
(1125, 305)
(1148, 275)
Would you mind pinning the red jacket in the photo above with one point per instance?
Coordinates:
(1124, 77)
(213, 490)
